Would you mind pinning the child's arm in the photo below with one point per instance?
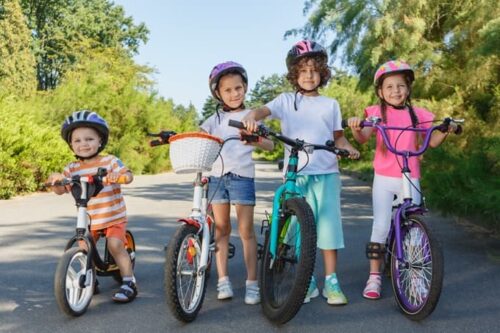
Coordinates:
(438, 137)
(251, 119)
(361, 135)
(58, 189)
(264, 144)
(341, 142)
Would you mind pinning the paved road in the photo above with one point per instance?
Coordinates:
(35, 228)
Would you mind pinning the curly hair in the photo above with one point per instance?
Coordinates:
(320, 64)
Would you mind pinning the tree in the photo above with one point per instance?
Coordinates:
(17, 64)
(64, 29)
(208, 108)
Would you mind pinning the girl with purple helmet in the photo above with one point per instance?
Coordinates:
(307, 115)
(392, 82)
(234, 172)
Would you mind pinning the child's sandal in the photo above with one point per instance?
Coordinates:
(373, 287)
(127, 293)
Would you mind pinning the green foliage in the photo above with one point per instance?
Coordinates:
(64, 29)
(208, 108)
(29, 149)
(17, 64)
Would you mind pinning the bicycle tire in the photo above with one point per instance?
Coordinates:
(131, 252)
(184, 288)
(72, 296)
(417, 283)
(284, 286)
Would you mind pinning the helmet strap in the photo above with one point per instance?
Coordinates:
(88, 157)
(302, 91)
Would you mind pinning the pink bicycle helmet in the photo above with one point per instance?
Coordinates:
(222, 69)
(85, 118)
(302, 49)
(393, 66)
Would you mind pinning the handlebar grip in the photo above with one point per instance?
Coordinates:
(344, 123)
(237, 124)
(343, 152)
(459, 130)
(155, 143)
(122, 179)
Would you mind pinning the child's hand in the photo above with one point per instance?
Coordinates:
(250, 123)
(355, 123)
(118, 178)
(353, 153)
(58, 189)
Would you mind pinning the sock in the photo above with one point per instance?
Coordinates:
(249, 283)
(126, 279)
(223, 279)
(332, 276)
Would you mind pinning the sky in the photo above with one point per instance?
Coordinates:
(189, 37)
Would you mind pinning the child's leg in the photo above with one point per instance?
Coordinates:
(247, 235)
(121, 256)
(222, 234)
(330, 261)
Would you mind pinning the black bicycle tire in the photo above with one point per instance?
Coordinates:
(60, 283)
(437, 274)
(170, 278)
(305, 266)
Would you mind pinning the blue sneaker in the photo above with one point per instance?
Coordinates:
(312, 291)
(332, 291)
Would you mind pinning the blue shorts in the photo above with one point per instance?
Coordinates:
(233, 189)
(322, 193)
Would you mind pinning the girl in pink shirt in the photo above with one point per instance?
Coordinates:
(393, 82)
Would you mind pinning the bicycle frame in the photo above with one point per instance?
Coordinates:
(200, 219)
(285, 191)
(407, 206)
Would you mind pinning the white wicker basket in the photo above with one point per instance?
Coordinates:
(194, 151)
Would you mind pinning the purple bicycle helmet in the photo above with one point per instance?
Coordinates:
(393, 66)
(85, 118)
(221, 69)
(302, 49)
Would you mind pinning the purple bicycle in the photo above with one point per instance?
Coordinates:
(414, 257)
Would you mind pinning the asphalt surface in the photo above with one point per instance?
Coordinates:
(35, 228)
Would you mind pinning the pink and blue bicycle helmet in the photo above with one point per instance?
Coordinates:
(393, 66)
(85, 118)
(222, 69)
(302, 49)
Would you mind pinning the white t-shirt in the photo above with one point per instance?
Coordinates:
(237, 157)
(315, 120)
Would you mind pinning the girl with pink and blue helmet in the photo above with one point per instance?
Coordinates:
(308, 115)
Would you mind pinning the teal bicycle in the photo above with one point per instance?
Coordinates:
(289, 251)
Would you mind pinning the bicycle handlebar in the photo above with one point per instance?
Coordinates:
(164, 138)
(376, 122)
(100, 177)
(298, 144)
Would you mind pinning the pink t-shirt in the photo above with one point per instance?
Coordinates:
(385, 162)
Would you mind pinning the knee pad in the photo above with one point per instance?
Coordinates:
(375, 250)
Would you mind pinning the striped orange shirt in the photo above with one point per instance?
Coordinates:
(108, 207)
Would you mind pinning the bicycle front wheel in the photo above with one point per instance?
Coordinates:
(184, 285)
(285, 280)
(73, 284)
(418, 279)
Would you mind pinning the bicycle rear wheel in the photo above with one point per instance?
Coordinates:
(184, 286)
(73, 284)
(417, 281)
(284, 281)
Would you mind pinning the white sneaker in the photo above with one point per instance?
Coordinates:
(252, 294)
(225, 290)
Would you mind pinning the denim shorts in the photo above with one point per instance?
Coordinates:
(233, 189)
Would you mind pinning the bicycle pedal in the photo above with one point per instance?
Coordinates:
(260, 251)
(231, 251)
